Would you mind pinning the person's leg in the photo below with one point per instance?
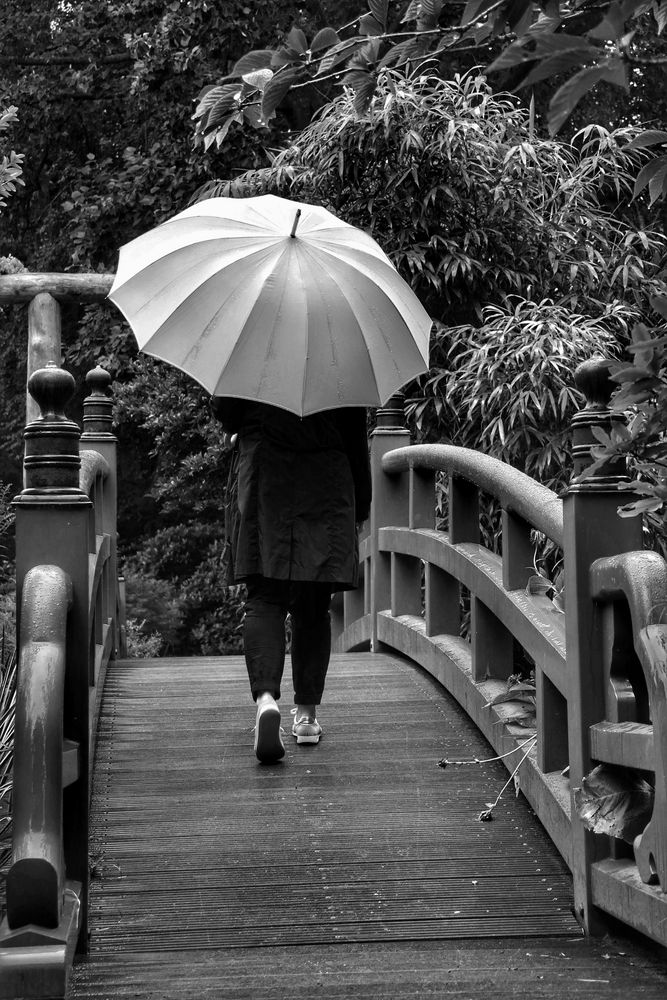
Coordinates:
(264, 648)
(311, 651)
(264, 634)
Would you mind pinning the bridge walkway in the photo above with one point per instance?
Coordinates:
(355, 868)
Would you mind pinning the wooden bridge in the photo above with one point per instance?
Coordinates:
(154, 857)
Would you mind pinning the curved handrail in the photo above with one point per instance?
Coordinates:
(641, 579)
(536, 504)
(36, 878)
(92, 465)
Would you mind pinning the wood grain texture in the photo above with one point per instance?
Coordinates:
(357, 867)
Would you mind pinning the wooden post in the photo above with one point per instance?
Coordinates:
(390, 502)
(442, 602)
(463, 511)
(592, 528)
(52, 527)
(98, 436)
(492, 644)
(421, 507)
(43, 342)
(406, 577)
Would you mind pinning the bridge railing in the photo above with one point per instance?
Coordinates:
(600, 666)
(69, 625)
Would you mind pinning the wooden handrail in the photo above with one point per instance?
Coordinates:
(93, 466)
(536, 504)
(36, 878)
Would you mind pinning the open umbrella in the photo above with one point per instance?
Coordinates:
(275, 301)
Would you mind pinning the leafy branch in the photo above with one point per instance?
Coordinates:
(587, 44)
(11, 164)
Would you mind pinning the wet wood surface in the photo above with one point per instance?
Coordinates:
(356, 867)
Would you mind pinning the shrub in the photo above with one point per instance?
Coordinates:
(154, 613)
(506, 388)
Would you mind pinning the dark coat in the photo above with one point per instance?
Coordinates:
(303, 487)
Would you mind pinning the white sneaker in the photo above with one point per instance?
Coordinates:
(305, 727)
(269, 746)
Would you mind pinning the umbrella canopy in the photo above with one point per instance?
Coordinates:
(274, 301)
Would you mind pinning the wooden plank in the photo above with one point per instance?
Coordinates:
(520, 969)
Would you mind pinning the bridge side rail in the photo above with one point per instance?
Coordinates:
(605, 701)
(68, 628)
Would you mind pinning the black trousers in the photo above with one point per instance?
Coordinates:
(267, 605)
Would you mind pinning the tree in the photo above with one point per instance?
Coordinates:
(105, 92)
(577, 45)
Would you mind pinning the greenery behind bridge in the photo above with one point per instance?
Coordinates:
(529, 250)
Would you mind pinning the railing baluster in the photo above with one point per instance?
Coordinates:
(421, 503)
(442, 602)
(518, 551)
(463, 511)
(492, 644)
(552, 727)
(406, 575)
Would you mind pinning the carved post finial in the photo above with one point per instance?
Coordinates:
(51, 462)
(52, 388)
(98, 406)
(593, 379)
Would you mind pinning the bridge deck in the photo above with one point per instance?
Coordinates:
(353, 868)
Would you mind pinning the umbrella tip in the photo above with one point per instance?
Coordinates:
(296, 222)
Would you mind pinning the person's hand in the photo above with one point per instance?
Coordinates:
(229, 440)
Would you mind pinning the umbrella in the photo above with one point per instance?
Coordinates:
(272, 300)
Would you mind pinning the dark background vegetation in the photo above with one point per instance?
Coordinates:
(529, 251)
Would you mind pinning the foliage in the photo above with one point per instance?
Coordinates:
(141, 644)
(7, 717)
(7, 679)
(154, 612)
(576, 45)
(468, 201)
(642, 391)
(522, 249)
(505, 388)
(6, 523)
(11, 164)
(175, 557)
(105, 96)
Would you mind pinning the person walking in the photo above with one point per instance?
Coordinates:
(303, 490)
